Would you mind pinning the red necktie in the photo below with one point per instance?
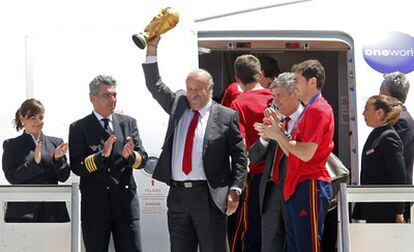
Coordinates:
(189, 141)
(279, 154)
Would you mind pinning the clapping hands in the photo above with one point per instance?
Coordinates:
(61, 150)
(271, 127)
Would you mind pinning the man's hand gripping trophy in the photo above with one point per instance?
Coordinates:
(164, 21)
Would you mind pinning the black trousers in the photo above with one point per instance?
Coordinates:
(253, 236)
(273, 223)
(194, 220)
(126, 234)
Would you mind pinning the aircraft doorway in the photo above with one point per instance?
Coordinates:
(218, 50)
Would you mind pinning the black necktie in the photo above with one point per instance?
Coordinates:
(106, 126)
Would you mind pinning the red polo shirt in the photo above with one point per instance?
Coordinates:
(251, 106)
(317, 126)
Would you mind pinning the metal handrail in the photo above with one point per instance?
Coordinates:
(44, 193)
(367, 193)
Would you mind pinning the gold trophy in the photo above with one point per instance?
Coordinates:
(164, 21)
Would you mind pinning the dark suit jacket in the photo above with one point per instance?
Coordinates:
(258, 154)
(382, 163)
(222, 139)
(405, 129)
(107, 185)
(20, 167)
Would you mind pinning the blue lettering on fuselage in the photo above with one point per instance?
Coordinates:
(394, 53)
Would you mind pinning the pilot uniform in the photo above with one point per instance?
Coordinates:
(109, 198)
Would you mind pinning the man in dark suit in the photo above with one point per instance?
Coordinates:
(105, 148)
(397, 85)
(201, 136)
(271, 183)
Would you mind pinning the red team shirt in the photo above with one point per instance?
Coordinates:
(230, 94)
(316, 126)
(251, 105)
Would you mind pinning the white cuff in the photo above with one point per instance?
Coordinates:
(238, 190)
(263, 142)
(151, 59)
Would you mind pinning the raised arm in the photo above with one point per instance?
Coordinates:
(161, 92)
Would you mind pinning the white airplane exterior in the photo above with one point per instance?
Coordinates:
(51, 51)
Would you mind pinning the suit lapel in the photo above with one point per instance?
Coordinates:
(95, 126)
(27, 140)
(211, 125)
(47, 148)
(25, 145)
(271, 155)
(175, 118)
(119, 129)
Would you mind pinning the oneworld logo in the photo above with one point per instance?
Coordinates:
(389, 52)
(394, 52)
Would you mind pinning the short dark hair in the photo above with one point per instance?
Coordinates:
(397, 85)
(247, 68)
(29, 108)
(269, 67)
(309, 69)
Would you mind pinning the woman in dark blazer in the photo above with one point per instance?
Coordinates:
(34, 158)
(382, 161)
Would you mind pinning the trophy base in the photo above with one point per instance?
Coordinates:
(139, 40)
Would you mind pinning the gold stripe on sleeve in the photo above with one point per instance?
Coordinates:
(87, 164)
(90, 163)
(138, 160)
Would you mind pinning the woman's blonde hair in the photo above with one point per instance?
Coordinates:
(392, 107)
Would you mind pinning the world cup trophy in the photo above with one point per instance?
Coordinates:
(164, 21)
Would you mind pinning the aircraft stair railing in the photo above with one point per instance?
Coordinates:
(377, 237)
(41, 236)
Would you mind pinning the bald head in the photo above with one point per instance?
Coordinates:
(201, 75)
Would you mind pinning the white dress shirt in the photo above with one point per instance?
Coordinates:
(180, 134)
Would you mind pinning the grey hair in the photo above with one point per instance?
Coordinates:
(201, 73)
(101, 80)
(285, 80)
(397, 85)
